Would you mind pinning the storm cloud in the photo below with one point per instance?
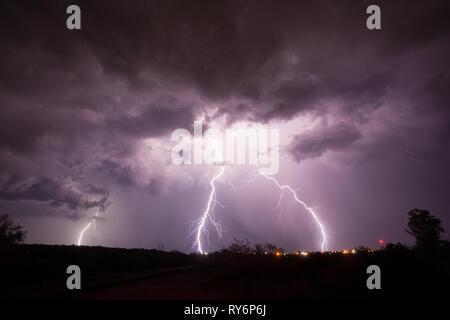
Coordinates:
(86, 116)
(315, 143)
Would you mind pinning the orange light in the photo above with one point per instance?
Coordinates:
(277, 254)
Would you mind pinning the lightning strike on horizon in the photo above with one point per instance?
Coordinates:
(209, 210)
(309, 209)
(209, 213)
(92, 222)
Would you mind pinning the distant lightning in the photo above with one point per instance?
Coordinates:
(91, 223)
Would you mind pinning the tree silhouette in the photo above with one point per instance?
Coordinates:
(272, 249)
(259, 248)
(425, 227)
(240, 246)
(10, 233)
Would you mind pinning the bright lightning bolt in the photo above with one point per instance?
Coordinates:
(209, 210)
(309, 209)
(92, 222)
(209, 213)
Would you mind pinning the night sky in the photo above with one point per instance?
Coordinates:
(86, 118)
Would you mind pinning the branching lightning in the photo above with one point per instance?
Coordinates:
(309, 209)
(209, 213)
(209, 210)
(91, 223)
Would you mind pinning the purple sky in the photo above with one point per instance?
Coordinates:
(86, 118)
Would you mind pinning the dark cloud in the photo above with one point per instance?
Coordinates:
(266, 56)
(153, 120)
(129, 175)
(314, 143)
(123, 175)
(55, 192)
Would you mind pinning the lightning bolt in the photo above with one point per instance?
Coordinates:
(208, 213)
(309, 209)
(91, 223)
(209, 210)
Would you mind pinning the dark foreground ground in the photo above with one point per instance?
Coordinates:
(39, 271)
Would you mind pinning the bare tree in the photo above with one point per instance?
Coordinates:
(10, 233)
(425, 228)
(240, 246)
(271, 248)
